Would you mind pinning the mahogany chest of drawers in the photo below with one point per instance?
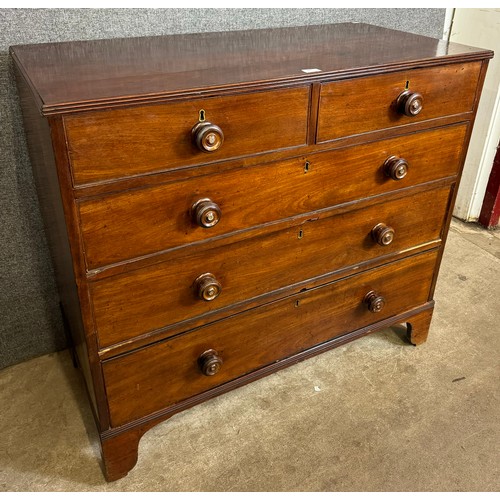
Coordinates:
(220, 206)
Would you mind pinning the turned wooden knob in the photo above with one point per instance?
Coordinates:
(207, 137)
(396, 168)
(410, 103)
(383, 234)
(210, 362)
(207, 287)
(206, 213)
(374, 301)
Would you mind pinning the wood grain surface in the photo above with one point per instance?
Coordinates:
(140, 222)
(299, 181)
(151, 298)
(364, 104)
(152, 378)
(99, 73)
(122, 143)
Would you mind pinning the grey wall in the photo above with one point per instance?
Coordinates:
(30, 322)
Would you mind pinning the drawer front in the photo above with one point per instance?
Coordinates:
(155, 377)
(152, 298)
(141, 222)
(121, 143)
(361, 105)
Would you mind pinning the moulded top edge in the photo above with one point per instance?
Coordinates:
(74, 76)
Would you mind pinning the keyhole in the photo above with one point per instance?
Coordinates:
(297, 303)
(301, 234)
(306, 167)
(407, 86)
(202, 115)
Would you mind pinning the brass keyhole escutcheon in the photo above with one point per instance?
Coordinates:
(201, 115)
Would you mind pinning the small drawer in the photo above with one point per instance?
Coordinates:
(197, 281)
(360, 105)
(131, 224)
(165, 373)
(105, 145)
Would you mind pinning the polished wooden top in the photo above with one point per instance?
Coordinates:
(87, 74)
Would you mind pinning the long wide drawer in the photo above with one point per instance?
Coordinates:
(151, 298)
(131, 224)
(120, 143)
(365, 104)
(155, 377)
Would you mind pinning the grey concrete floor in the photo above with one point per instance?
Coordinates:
(374, 415)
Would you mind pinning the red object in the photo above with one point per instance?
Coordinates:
(490, 212)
